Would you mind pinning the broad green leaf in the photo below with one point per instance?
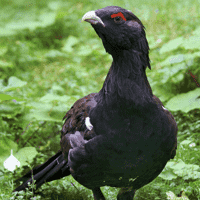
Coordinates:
(92, 44)
(167, 175)
(178, 78)
(6, 145)
(192, 42)
(26, 154)
(47, 18)
(54, 54)
(172, 45)
(186, 171)
(84, 50)
(173, 59)
(5, 97)
(178, 67)
(185, 102)
(53, 97)
(55, 87)
(70, 42)
(18, 25)
(46, 110)
(179, 58)
(177, 165)
(14, 82)
(31, 21)
(186, 142)
(10, 109)
(4, 64)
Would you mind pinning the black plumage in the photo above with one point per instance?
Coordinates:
(133, 135)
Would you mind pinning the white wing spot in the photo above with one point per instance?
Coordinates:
(88, 124)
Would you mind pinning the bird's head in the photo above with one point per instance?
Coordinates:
(119, 30)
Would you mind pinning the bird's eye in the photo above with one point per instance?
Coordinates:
(118, 19)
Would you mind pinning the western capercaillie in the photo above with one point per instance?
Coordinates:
(131, 136)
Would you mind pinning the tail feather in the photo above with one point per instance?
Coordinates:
(54, 168)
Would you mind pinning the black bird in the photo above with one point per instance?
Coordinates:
(121, 136)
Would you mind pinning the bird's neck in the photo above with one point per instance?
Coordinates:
(126, 82)
(125, 93)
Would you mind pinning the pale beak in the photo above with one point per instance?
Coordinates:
(92, 18)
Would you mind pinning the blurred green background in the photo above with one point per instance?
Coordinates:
(49, 59)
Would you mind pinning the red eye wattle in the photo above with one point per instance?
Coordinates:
(118, 15)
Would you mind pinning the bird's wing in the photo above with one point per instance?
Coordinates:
(77, 128)
(76, 118)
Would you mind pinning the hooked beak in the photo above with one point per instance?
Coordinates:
(92, 18)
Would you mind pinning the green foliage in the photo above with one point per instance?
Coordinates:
(185, 102)
(49, 108)
(26, 155)
(13, 83)
(172, 196)
(180, 169)
(70, 42)
(179, 72)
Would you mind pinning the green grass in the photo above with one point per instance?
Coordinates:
(37, 51)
